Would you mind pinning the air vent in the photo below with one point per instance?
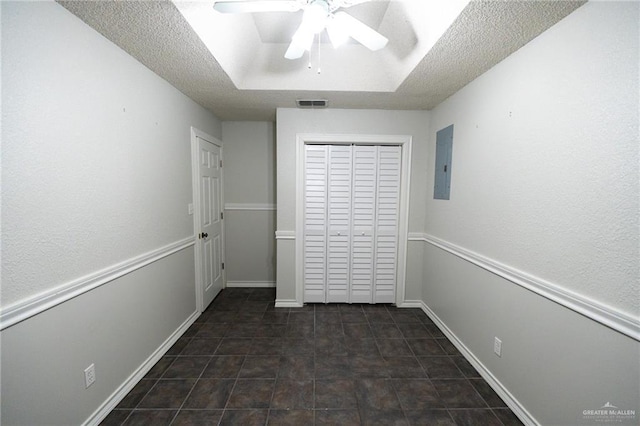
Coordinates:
(311, 103)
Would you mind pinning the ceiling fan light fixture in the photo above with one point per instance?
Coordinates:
(315, 16)
(338, 34)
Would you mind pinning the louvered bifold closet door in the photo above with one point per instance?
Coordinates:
(315, 222)
(363, 223)
(339, 223)
(386, 232)
(351, 223)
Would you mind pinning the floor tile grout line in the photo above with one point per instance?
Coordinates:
(224, 409)
(201, 373)
(477, 393)
(273, 391)
(404, 411)
(190, 391)
(147, 392)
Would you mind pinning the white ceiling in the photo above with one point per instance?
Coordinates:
(250, 47)
(276, 27)
(234, 65)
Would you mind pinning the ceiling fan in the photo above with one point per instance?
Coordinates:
(318, 15)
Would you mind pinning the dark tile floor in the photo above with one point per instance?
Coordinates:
(245, 362)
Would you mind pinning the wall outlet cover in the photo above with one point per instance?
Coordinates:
(89, 375)
(497, 347)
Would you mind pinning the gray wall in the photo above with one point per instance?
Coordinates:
(544, 201)
(250, 197)
(96, 179)
(335, 121)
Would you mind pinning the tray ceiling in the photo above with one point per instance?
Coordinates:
(233, 65)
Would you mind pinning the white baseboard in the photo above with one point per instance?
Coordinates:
(285, 235)
(101, 413)
(250, 206)
(287, 303)
(248, 284)
(515, 406)
(411, 304)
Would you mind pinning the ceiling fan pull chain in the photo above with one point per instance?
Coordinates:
(310, 54)
(319, 40)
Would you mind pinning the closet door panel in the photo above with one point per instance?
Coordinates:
(339, 223)
(387, 212)
(364, 200)
(315, 223)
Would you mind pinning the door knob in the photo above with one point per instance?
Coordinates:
(204, 235)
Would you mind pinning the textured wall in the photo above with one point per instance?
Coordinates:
(545, 180)
(95, 152)
(545, 158)
(96, 169)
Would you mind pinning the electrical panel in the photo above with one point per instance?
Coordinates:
(444, 145)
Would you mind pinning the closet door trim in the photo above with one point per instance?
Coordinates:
(405, 141)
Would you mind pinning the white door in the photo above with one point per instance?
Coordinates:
(210, 218)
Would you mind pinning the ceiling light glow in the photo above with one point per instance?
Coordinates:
(315, 16)
(338, 34)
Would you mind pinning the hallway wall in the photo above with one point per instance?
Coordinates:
(97, 241)
(250, 203)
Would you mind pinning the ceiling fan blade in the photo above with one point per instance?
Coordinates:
(364, 34)
(300, 42)
(251, 6)
(348, 3)
(295, 51)
(338, 34)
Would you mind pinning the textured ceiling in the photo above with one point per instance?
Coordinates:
(484, 33)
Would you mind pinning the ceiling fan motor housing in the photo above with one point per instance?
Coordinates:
(315, 15)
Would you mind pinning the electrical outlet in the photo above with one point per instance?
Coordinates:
(89, 375)
(497, 347)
